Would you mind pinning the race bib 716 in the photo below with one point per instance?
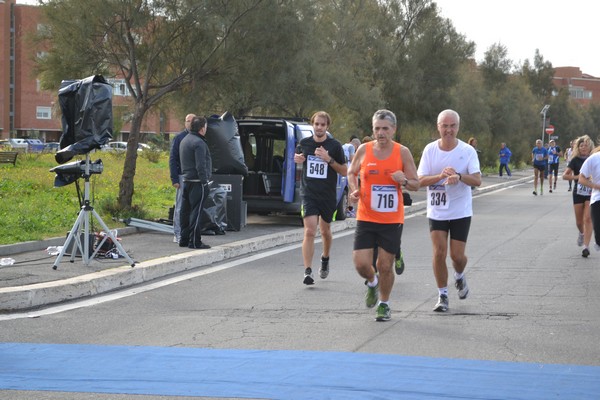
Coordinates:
(384, 198)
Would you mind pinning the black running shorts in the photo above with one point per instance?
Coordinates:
(370, 234)
(458, 228)
(325, 210)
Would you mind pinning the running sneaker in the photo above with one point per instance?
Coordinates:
(383, 312)
(585, 253)
(461, 286)
(534, 193)
(597, 246)
(324, 270)
(308, 277)
(399, 264)
(580, 239)
(442, 304)
(372, 296)
(550, 190)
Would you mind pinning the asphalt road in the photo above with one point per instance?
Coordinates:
(529, 329)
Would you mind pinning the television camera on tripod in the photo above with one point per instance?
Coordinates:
(87, 124)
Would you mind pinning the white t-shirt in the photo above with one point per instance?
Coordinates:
(591, 170)
(348, 151)
(449, 202)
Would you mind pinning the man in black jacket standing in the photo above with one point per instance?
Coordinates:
(176, 177)
(196, 166)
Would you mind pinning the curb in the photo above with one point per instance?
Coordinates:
(20, 298)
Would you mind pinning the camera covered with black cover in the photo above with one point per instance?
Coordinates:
(87, 121)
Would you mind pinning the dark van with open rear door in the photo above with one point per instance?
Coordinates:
(273, 181)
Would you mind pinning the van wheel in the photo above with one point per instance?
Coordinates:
(342, 207)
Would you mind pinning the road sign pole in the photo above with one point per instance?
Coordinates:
(543, 112)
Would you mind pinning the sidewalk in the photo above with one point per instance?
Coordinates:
(31, 282)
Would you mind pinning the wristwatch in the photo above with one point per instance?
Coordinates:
(459, 176)
(405, 182)
(331, 160)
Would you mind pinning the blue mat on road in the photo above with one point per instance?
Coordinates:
(283, 374)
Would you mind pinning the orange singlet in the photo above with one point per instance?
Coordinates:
(380, 196)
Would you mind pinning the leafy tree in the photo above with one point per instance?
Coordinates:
(592, 122)
(566, 117)
(158, 47)
(471, 101)
(298, 57)
(269, 59)
(419, 63)
(496, 66)
(539, 76)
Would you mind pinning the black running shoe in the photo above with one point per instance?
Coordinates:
(202, 246)
(308, 277)
(585, 253)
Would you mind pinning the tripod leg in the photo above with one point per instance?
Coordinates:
(114, 239)
(71, 238)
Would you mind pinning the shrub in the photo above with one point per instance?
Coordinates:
(32, 209)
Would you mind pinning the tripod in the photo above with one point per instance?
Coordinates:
(81, 229)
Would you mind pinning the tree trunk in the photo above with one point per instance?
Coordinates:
(126, 187)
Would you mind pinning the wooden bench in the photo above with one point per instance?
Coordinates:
(8, 157)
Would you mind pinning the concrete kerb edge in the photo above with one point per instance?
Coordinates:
(47, 293)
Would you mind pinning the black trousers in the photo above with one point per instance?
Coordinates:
(595, 211)
(194, 195)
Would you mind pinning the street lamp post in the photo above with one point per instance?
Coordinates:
(543, 112)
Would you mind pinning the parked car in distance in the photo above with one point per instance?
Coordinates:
(29, 145)
(18, 143)
(114, 146)
(52, 147)
(122, 146)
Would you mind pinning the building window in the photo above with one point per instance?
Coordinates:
(580, 93)
(43, 112)
(119, 87)
(43, 29)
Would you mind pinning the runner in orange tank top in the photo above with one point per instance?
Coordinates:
(384, 167)
(381, 201)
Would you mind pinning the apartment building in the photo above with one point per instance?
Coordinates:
(28, 111)
(584, 88)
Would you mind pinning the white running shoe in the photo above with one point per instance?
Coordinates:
(461, 286)
(580, 240)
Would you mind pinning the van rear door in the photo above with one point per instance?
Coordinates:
(289, 167)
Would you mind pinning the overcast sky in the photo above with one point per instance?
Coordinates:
(566, 32)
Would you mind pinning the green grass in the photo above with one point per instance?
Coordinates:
(31, 208)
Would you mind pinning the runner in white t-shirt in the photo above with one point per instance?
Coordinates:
(589, 176)
(449, 168)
